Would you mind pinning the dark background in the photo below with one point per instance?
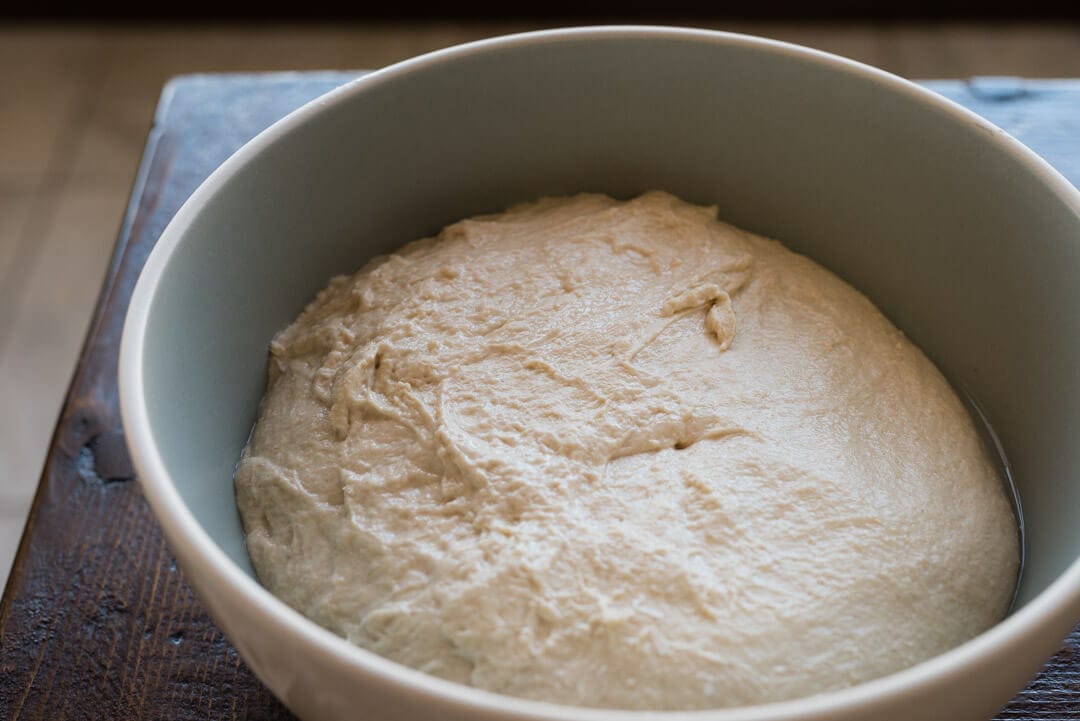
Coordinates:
(256, 12)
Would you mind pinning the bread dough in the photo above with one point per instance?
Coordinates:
(621, 454)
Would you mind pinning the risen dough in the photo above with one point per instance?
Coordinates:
(621, 455)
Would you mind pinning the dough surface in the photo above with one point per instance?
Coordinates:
(621, 454)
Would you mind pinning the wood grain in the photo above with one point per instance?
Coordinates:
(97, 621)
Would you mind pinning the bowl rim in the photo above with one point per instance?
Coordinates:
(195, 548)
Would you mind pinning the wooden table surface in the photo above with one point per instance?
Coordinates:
(96, 621)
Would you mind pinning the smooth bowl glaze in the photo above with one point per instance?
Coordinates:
(964, 238)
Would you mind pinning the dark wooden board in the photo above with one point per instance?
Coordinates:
(96, 621)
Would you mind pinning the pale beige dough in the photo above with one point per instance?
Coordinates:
(621, 455)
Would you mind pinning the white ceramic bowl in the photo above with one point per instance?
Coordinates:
(966, 239)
